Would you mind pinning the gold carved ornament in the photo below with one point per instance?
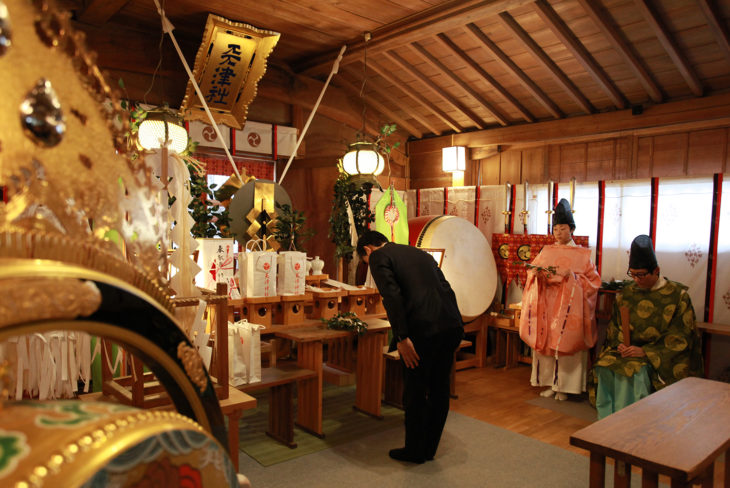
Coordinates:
(230, 62)
(71, 192)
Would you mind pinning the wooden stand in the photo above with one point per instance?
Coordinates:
(356, 301)
(142, 389)
(290, 309)
(260, 310)
(326, 304)
(374, 304)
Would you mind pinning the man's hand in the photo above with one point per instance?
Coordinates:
(630, 351)
(408, 353)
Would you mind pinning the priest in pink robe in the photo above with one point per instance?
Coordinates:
(558, 310)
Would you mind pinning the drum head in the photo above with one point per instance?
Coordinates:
(468, 262)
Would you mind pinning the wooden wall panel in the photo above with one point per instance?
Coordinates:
(644, 157)
(707, 152)
(510, 167)
(573, 162)
(670, 154)
(533, 164)
(427, 165)
(553, 172)
(624, 151)
(601, 160)
(490, 170)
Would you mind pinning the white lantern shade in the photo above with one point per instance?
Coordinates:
(453, 159)
(363, 159)
(152, 135)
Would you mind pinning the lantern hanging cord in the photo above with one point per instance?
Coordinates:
(335, 68)
(167, 27)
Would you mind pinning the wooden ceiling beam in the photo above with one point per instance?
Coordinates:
(718, 27)
(621, 46)
(98, 12)
(579, 52)
(514, 70)
(547, 63)
(435, 89)
(354, 91)
(665, 39)
(418, 98)
(440, 18)
(435, 63)
(512, 101)
(690, 114)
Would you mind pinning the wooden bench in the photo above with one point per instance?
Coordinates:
(280, 382)
(679, 431)
(393, 383)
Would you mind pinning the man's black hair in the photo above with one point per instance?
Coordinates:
(370, 238)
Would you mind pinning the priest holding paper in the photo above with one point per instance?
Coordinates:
(558, 310)
(652, 340)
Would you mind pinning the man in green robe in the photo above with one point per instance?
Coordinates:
(661, 344)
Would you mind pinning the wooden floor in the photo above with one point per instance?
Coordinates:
(498, 396)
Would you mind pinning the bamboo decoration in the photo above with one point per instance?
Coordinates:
(625, 326)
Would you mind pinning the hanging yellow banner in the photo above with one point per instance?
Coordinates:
(230, 62)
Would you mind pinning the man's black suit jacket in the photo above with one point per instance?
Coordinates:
(417, 297)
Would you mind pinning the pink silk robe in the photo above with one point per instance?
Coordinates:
(558, 313)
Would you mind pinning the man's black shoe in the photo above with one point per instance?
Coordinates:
(401, 454)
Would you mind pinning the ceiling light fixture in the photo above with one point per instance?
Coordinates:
(162, 128)
(363, 158)
(453, 159)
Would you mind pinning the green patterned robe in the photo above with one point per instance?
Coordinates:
(663, 324)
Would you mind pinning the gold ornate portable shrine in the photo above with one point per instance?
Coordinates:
(82, 241)
(230, 62)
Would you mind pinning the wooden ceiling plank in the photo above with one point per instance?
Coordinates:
(512, 101)
(98, 12)
(513, 69)
(354, 91)
(435, 89)
(665, 39)
(431, 59)
(418, 98)
(440, 18)
(718, 27)
(579, 52)
(540, 55)
(388, 95)
(621, 46)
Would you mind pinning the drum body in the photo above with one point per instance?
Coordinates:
(74, 443)
(467, 263)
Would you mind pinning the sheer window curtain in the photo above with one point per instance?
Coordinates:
(684, 215)
(626, 215)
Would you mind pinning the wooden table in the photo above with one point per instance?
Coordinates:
(369, 370)
(678, 431)
(709, 329)
(310, 356)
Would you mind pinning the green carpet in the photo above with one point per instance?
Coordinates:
(340, 424)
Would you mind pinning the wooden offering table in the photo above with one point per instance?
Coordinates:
(369, 369)
(678, 431)
(310, 356)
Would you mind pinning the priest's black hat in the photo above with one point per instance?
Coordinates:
(642, 254)
(563, 215)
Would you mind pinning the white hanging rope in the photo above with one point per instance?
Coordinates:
(167, 27)
(335, 68)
